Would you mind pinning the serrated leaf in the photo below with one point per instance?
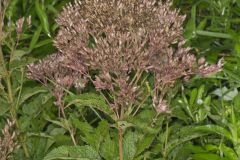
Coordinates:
(207, 156)
(21, 63)
(4, 107)
(29, 92)
(109, 149)
(96, 138)
(214, 129)
(143, 120)
(145, 143)
(91, 100)
(130, 145)
(229, 152)
(54, 132)
(17, 55)
(85, 127)
(64, 123)
(185, 134)
(73, 153)
(32, 107)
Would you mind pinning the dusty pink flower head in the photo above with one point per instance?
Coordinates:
(121, 40)
(7, 141)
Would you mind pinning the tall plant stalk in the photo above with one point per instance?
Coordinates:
(61, 107)
(120, 143)
(12, 107)
(7, 78)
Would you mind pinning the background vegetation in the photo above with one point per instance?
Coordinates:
(204, 122)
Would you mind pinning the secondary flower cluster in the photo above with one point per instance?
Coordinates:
(7, 143)
(57, 69)
(121, 40)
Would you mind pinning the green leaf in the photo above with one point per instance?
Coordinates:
(145, 143)
(195, 149)
(190, 28)
(11, 9)
(25, 122)
(92, 136)
(200, 92)
(193, 97)
(91, 100)
(3, 107)
(30, 92)
(50, 141)
(73, 153)
(207, 101)
(225, 93)
(230, 95)
(207, 156)
(96, 138)
(100, 133)
(237, 101)
(32, 107)
(62, 139)
(215, 129)
(24, 4)
(85, 127)
(202, 24)
(23, 62)
(64, 123)
(43, 43)
(142, 121)
(213, 34)
(130, 145)
(35, 38)
(43, 17)
(229, 152)
(109, 149)
(17, 55)
(185, 134)
(237, 48)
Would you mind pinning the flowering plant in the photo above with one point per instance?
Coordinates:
(125, 44)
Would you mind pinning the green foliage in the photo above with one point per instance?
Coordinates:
(129, 145)
(73, 153)
(91, 100)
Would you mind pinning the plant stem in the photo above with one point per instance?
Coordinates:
(7, 77)
(140, 105)
(72, 137)
(13, 113)
(21, 87)
(120, 143)
(166, 141)
(69, 129)
(10, 99)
